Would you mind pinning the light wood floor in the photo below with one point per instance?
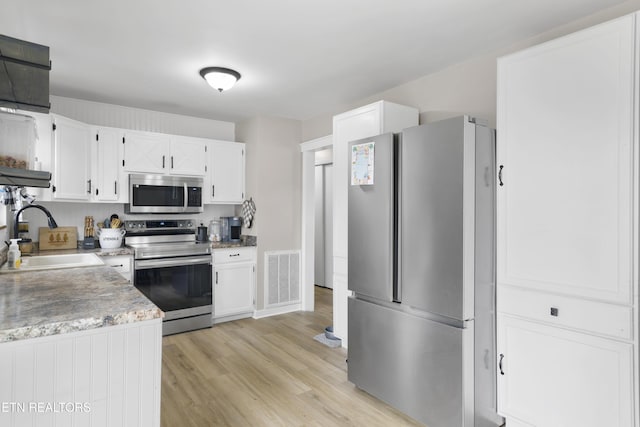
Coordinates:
(267, 372)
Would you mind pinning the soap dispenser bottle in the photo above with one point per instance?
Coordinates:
(13, 256)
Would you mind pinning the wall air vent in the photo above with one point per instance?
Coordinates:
(24, 75)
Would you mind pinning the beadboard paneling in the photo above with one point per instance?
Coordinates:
(114, 371)
(100, 114)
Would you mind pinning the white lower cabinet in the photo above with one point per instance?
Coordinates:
(121, 263)
(547, 376)
(233, 283)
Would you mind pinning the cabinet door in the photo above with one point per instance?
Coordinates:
(146, 152)
(565, 156)
(554, 377)
(227, 172)
(107, 160)
(71, 165)
(188, 156)
(233, 284)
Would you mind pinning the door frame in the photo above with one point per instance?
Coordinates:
(308, 149)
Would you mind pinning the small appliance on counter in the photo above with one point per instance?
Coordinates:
(201, 234)
(215, 234)
(231, 228)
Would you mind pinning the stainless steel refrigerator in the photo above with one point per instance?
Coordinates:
(421, 319)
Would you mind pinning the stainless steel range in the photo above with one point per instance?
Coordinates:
(173, 271)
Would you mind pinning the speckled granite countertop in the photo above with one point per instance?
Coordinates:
(244, 241)
(50, 302)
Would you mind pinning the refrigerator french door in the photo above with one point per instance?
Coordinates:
(421, 268)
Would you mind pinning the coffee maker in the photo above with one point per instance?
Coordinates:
(231, 227)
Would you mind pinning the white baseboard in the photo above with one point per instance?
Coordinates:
(274, 311)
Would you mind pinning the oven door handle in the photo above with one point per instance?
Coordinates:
(174, 262)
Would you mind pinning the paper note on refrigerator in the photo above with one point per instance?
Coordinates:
(362, 163)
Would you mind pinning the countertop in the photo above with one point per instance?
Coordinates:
(50, 302)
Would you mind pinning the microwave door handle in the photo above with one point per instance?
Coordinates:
(186, 197)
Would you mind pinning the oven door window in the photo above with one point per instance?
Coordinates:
(158, 195)
(175, 284)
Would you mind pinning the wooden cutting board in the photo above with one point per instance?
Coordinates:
(58, 238)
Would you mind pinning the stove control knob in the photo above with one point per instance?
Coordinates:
(189, 224)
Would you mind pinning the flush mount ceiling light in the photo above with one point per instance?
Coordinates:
(220, 78)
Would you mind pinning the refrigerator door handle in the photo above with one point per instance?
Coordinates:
(397, 223)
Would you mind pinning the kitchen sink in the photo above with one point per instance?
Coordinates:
(49, 262)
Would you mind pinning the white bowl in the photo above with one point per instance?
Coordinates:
(110, 237)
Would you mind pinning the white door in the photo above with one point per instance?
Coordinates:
(323, 251)
(146, 152)
(552, 377)
(107, 161)
(565, 156)
(319, 229)
(71, 151)
(233, 288)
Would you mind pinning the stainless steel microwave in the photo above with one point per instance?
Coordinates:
(164, 194)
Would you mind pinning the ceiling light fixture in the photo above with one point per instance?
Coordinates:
(220, 78)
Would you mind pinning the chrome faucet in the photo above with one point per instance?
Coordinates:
(52, 222)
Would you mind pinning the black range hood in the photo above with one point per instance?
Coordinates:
(24, 75)
(24, 178)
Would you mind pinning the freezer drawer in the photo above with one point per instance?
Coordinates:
(421, 367)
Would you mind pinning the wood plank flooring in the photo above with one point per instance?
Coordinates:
(267, 372)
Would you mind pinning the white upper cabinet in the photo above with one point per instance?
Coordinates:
(71, 178)
(107, 161)
(146, 152)
(187, 156)
(224, 182)
(565, 156)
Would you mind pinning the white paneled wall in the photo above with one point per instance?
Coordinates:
(100, 114)
(72, 214)
(104, 377)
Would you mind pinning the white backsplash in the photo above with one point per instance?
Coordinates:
(68, 214)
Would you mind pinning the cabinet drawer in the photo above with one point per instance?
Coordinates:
(121, 263)
(233, 255)
(589, 316)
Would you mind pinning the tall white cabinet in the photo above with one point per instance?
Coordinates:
(370, 120)
(567, 243)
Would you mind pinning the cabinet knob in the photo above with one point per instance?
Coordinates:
(553, 311)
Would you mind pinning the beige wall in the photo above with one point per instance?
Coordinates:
(273, 179)
(465, 88)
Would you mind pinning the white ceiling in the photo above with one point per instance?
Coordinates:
(298, 58)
